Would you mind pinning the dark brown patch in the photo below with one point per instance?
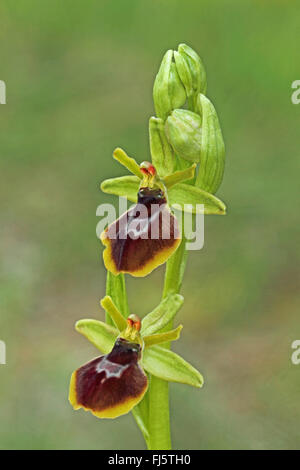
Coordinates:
(130, 252)
(111, 380)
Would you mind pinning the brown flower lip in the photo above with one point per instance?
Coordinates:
(137, 251)
(110, 385)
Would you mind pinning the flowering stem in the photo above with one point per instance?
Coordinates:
(159, 414)
(175, 268)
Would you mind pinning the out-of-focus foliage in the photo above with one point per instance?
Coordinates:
(79, 79)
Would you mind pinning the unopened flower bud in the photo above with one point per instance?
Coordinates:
(183, 129)
(168, 92)
(212, 159)
(184, 73)
(196, 68)
(162, 153)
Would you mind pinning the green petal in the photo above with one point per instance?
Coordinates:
(167, 365)
(159, 338)
(125, 186)
(100, 334)
(161, 315)
(182, 193)
(109, 306)
(212, 158)
(128, 162)
(180, 176)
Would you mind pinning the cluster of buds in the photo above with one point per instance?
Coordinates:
(186, 128)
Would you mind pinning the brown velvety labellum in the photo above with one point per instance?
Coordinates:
(142, 238)
(110, 385)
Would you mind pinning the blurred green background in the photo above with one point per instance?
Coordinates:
(79, 79)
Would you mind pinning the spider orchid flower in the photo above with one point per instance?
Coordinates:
(112, 384)
(145, 236)
(148, 234)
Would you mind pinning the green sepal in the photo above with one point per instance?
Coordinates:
(196, 68)
(182, 165)
(182, 193)
(100, 334)
(169, 366)
(176, 89)
(168, 90)
(158, 338)
(212, 158)
(161, 315)
(124, 186)
(162, 154)
(128, 162)
(180, 176)
(183, 129)
(184, 73)
(109, 306)
(178, 195)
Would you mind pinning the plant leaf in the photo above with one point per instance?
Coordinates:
(158, 338)
(168, 365)
(109, 306)
(124, 186)
(100, 334)
(161, 315)
(128, 162)
(182, 193)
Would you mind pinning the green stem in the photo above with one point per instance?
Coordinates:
(175, 270)
(116, 289)
(159, 414)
